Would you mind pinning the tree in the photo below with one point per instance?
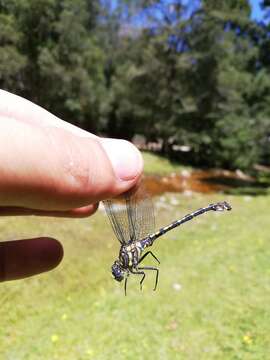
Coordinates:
(145, 85)
(224, 130)
(189, 80)
(64, 60)
(51, 55)
(12, 60)
(185, 73)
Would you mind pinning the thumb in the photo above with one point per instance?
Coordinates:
(49, 168)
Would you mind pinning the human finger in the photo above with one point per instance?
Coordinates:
(73, 213)
(23, 258)
(15, 107)
(52, 169)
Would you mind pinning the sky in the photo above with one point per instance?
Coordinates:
(257, 13)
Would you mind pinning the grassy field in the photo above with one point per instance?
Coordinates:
(159, 165)
(212, 301)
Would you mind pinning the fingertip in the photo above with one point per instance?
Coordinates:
(125, 158)
(108, 167)
(28, 257)
(49, 253)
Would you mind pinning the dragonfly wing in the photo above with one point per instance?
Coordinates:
(116, 211)
(142, 213)
(131, 215)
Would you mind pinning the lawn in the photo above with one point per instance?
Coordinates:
(159, 165)
(212, 301)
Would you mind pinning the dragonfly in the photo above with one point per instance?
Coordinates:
(133, 222)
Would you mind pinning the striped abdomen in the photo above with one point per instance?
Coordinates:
(148, 241)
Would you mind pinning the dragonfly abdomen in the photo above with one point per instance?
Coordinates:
(148, 241)
(221, 206)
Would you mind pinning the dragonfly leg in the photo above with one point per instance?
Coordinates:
(125, 287)
(139, 273)
(142, 280)
(151, 268)
(149, 253)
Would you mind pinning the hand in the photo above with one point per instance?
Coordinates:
(52, 168)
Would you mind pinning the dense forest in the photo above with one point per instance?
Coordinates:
(193, 76)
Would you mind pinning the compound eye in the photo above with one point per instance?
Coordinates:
(118, 275)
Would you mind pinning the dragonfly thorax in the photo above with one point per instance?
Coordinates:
(129, 257)
(130, 254)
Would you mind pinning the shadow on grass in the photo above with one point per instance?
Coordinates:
(238, 186)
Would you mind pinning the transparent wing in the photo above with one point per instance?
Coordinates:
(131, 215)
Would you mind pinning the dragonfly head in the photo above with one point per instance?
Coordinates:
(117, 271)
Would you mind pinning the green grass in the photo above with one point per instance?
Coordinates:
(212, 301)
(159, 165)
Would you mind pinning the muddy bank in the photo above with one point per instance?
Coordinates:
(203, 181)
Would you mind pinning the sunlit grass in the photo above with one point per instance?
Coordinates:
(211, 303)
(158, 165)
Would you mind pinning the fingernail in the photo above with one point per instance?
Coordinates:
(125, 158)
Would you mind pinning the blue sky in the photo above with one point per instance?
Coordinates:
(256, 10)
(256, 14)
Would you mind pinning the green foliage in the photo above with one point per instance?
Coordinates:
(194, 82)
(63, 67)
(227, 132)
(65, 59)
(12, 60)
(194, 75)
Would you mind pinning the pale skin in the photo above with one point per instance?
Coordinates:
(51, 168)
